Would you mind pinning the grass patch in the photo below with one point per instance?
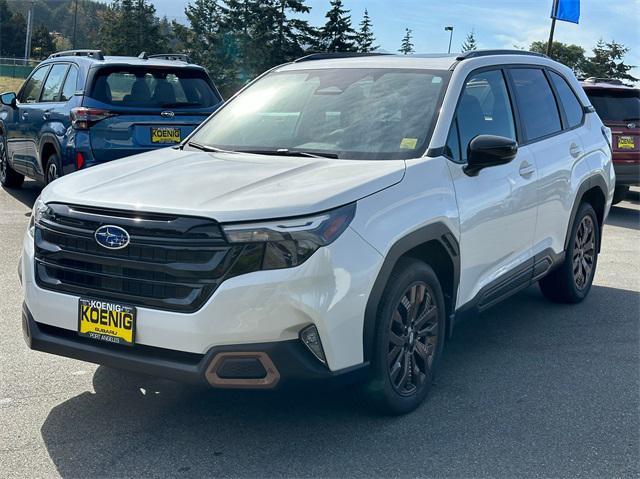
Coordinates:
(10, 84)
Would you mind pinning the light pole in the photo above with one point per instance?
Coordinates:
(449, 29)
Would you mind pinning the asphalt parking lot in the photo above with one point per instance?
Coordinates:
(528, 389)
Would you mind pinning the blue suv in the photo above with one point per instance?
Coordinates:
(79, 108)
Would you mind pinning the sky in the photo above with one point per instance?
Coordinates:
(496, 23)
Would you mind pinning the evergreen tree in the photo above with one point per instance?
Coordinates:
(407, 45)
(42, 42)
(365, 38)
(293, 35)
(209, 41)
(470, 42)
(13, 32)
(129, 27)
(337, 35)
(607, 62)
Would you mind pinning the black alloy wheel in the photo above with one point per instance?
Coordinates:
(413, 337)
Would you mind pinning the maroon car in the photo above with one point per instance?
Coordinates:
(618, 106)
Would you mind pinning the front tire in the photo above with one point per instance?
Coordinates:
(571, 282)
(8, 177)
(409, 338)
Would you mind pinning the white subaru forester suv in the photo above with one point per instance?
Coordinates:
(332, 221)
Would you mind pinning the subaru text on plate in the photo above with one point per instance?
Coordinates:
(332, 222)
(79, 108)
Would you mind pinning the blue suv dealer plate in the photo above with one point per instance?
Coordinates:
(165, 135)
(107, 321)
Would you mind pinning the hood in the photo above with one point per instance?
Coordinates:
(226, 187)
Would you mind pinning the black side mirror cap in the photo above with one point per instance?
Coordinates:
(8, 99)
(485, 151)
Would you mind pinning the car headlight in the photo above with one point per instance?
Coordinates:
(40, 209)
(289, 242)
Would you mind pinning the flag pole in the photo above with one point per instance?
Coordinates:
(554, 14)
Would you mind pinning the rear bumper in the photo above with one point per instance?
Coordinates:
(627, 173)
(286, 363)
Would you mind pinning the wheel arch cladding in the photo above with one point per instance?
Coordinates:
(592, 190)
(435, 245)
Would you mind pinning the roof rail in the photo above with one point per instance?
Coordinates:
(486, 53)
(95, 54)
(326, 56)
(611, 81)
(179, 57)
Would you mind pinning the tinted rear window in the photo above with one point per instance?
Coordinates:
(613, 105)
(157, 88)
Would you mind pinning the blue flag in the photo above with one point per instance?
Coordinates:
(567, 10)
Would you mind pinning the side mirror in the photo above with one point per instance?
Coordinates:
(489, 150)
(9, 99)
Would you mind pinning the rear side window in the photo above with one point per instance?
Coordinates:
(69, 87)
(536, 103)
(53, 83)
(31, 91)
(484, 109)
(616, 105)
(157, 88)
(570, 104)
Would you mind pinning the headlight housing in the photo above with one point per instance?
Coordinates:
(288, 242)
(40, 209)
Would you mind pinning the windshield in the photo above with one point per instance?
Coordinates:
(153, 88)
(338, 113)
(616, 105)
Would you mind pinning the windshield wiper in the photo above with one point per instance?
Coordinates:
(209, 149)
(288, 152)
(179, 103)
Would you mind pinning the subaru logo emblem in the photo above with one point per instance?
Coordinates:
(631, 125)
(167, 114)
(112, 237)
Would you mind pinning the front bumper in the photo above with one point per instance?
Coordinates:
(330, 290)
(289, 363)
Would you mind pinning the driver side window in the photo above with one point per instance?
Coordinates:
(31, 91)
(484, 109)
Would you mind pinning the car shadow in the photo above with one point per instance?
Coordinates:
(27, 194)
(504, 375)
(624, 217)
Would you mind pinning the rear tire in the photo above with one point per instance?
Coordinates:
(620, 193)
(53, 169)
(571, 282)
(9, 178)
(409, 339)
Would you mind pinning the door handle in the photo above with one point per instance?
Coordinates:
(25, 115)
(46, 114)
(574, 150)
(526, 169)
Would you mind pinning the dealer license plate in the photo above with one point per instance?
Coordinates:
(165, 135)
(107, 321)
(626, 143)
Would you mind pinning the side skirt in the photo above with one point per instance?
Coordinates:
(510, 283)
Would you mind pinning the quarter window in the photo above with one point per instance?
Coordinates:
(570, 104)
(536, 103)
(31, 91)
(484, 109)
(69, 87)
(51, 91)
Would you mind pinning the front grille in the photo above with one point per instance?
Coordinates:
(172, 263)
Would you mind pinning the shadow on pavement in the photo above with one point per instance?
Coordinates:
(624, 217)
(529, 388)
(27, 194)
